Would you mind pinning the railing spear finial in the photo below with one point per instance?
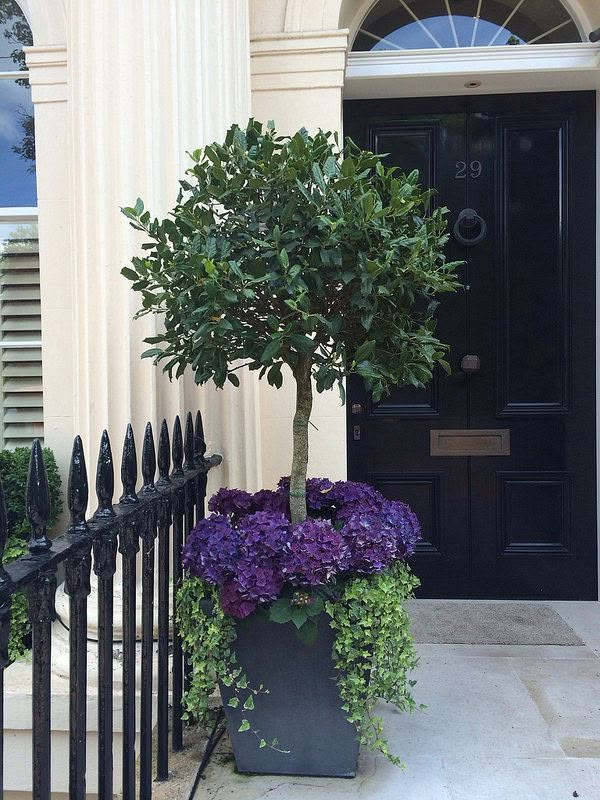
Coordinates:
(77, 488)
(148, 461)
(164, 455)
(105, 478)
(188, 442)
(37, 500)
(177, 448)
(129, 468)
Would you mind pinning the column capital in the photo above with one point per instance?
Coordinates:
(47, 67)
(313, 60)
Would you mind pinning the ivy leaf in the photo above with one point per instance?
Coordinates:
(233, 702)
(249, 704)
(245, 726)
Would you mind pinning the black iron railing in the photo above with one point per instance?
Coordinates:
(164, 509)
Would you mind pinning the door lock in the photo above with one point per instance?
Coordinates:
(470, 364)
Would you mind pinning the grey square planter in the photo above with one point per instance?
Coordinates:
(302, 709)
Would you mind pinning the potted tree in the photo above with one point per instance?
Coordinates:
(304, 262)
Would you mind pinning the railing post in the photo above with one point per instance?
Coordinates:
(164, 523)
(5, 605)
(178, 512)
(148, 535)
(41, 615)
(129, 548)
(77, 587)
(105, 565)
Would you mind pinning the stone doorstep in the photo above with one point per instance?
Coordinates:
(18, 713)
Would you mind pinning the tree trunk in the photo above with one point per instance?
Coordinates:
(300, 450)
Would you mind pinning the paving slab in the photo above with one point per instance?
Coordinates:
(502, 722)
(567, 695)
(479, 706)
(425, 779)
(522, 779)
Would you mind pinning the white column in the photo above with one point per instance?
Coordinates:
(149, 81)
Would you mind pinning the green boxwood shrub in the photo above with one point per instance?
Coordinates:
(13, 472)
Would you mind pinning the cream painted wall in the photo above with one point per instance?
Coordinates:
(297, 80)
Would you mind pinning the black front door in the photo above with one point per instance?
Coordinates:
(498, 459)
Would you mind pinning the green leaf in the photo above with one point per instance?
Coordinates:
(270, 351)
(281, 611)
(233, 702)
(308, 633)
(262, 743)
(299, 616)
(127, 272)
(233, 378)
(249, 704)
(245, 726)
(274, 376)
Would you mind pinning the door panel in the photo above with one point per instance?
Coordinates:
(521, 524)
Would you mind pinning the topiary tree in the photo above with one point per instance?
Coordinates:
(287, 251)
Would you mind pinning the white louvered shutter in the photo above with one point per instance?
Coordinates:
(21, 411)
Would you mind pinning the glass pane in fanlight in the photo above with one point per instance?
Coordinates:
(425, 24)
(17, 149)
(15, 34)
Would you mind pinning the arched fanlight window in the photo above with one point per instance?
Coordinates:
(21, 406)
(423, 24)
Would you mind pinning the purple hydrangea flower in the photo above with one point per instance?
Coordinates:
(232, 601)
(355, 498)
(212, 549)
(263, 534)
(252, 584)
(402, 521)
(250, 549)
(231, 502)
(268, 500)
(316, 552)
(372, 544)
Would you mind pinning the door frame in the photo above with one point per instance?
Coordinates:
(534, 68)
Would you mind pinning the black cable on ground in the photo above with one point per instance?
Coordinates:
(216, 733)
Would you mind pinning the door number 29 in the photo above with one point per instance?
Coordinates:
(475, 169)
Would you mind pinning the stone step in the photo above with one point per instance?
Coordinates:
(17, 722)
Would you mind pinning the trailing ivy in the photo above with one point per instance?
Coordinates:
(373, 651)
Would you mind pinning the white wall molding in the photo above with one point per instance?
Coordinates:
(409, 73)
(48, 74)
(298, 61)
(47, 20)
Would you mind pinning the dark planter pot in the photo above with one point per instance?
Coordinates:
(302, 709)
